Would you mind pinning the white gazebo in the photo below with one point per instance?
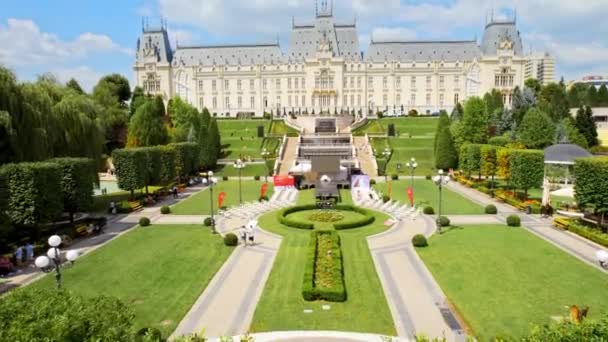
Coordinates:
(562, 155)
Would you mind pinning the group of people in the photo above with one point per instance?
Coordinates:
(248, 235)
(23, 255)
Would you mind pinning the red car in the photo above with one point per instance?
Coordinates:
(6, 266)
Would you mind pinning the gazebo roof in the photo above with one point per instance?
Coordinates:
(564, 154)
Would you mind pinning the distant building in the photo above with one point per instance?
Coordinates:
(597, 81)
(324, 70)
(541, 67)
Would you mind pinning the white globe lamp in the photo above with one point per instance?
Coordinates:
(42, 262)
(54, 241)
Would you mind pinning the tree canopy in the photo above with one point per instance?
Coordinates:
(536, 130)
(147, 127)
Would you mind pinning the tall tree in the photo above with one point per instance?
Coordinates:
(457, 112)
(473, 127)
(493, 101)
(577, 95)
(214, 143)
(533, 84)
(536, 129)
(137, 99)
(445, 153)
(554, 102)
(592, 97)
(570, 133)
(602, 96)
(522, 101)
(73, 84)
(586, 125)
(184, 118)
(443, 121)
(146, 128)
(117, 85)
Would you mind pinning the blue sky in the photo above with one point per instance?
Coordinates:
(87, 39)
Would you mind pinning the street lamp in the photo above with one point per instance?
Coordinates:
(265, 155)
(386, 153)
(239, 165)
(412, 165)
(440, 180)
(211, 181)
(54, 254)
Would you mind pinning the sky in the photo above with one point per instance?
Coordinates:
(88, 39)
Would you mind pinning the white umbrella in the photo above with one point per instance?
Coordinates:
(546, 192)
(564, 192)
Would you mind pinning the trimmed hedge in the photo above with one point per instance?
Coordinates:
(207, 222)
(310, 290)
(231, 239)
(444, 221)
(491, 209)
(144, 221)
(428, 210)
(513, 221)
(165, 209)
(587, 232)
(419, 240)
(367, 218)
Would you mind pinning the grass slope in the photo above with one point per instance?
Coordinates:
(504, 280)
(240, 137)
(281, 306)
(159, 271)
(427, 193)
(198, 204)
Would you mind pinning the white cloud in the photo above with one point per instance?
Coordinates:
(22, 43)
(393, 34)
(86, 77)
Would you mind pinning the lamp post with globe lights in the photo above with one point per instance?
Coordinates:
(210, 181)
(239, 165)
(265, 155)
(440, 180)
(412, 164)
(52, 260)
(386, 153)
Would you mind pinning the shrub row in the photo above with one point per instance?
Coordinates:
(587, 232)
(367, 218)
(290, 222)
(310, 292)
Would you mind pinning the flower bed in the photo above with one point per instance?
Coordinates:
(580, 228)
(323, 273)
(325, 216)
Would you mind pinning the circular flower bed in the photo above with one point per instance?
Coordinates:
(325, 216)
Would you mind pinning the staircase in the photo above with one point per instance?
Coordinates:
(289, 155)
(367, 161)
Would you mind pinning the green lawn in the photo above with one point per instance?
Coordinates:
(281, 306)
(505, 280)
(279, 127)
(250, 170)
(304, 215)
(198, 204)
(371, 127)
(427, 193)
(159, 271)
(240, 137)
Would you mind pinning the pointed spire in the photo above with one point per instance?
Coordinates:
(316, 8)
(142, 24)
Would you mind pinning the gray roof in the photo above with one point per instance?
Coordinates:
(228, 55)
(564, 154)
(495, 32)
(158, 40)
(343, 39)
(422, 51)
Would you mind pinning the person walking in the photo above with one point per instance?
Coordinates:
(19, 255)
(244, 235)
(29, 252)
(250, 234)
(174, 191)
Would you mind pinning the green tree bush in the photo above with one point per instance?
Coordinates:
(419, 240)
(131, 168)
(586, 125)
(513, 221)
(536, 129)
(146, 127)
(445, 153)
(527, 169)
(591, 186)
(78, 176)
(473, 127)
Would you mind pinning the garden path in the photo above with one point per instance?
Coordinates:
(542, 227)
(227, 305)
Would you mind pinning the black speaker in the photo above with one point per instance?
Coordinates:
(260, 131)
(391, 130)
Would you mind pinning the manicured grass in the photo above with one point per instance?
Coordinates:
(371, 127)
(158, 270)
(416, 126)
(198, 204)
(304, 215)
(281, 306)
(427, 193)
(306, 197)
(279, 127)
(250, 170)
(505, 280)
(240, 137)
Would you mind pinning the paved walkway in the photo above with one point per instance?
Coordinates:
(289, 155)
(416, 301)
(542, 227)
(227, 305)
(365, 156)
(117, 225)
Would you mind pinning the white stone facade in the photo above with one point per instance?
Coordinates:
(325, 71)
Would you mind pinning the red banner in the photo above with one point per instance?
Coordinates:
(220, 199)
(390, 190)
(284, 181)
(410, 195)
(263, 189)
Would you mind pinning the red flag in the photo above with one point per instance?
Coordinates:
(263, 189)
(410, 194)
(220, 199)
(390, 189)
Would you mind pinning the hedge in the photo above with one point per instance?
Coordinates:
(419, 240)
(513, 221)
(591, 186)
(310, 290)
(131, 168)
(283, 219)
(527, 169)
(78, 175)
(587, 232)
(367, 218)
(186, 158)
(33, 192)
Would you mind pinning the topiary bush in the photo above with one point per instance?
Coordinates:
(372, 181)
(491, 209)
(208, 221)
(428, 210)
(165, 209)
(513, 221)
(231, 239)
(419, 240)
(144, 221)
(256, 177)
(444, 221)
(428, 177)
(225, 178)
(394, 177)
(386, 198)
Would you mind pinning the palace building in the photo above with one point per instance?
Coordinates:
(325, 71)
